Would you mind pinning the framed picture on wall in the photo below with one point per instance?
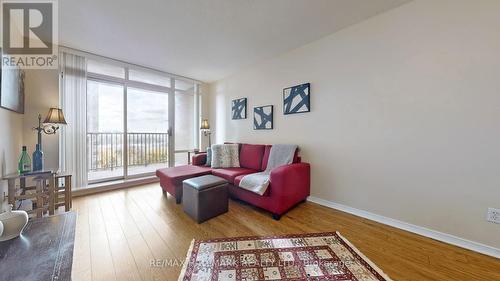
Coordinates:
(239, 109)
(297, 99)
(12, 89)
(263, 117)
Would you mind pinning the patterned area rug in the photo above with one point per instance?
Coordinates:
(319, 256)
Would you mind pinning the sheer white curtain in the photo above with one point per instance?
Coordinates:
(73, 99)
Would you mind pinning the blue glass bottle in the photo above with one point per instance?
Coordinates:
(37, 159)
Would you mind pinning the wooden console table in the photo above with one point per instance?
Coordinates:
(62, 190)
(51, 191)
(43, 193)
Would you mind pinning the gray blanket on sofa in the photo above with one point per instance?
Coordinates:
(281, 154)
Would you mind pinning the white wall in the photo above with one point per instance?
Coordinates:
(42, 93)
(205, 113)
(10, 147)
(405, 114)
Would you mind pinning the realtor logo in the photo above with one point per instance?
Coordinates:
(29, 34)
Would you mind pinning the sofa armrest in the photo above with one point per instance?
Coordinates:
(199, 159)
(291, 180)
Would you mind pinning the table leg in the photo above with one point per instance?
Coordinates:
(39, 197)
(51, 194)
(70, 192)
(67, 194)
(56, 192)
(11, 192)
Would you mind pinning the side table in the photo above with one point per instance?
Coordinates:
(52, 190)
(44, 190)
(63, 191)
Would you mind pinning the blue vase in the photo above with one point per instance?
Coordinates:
(37, 159)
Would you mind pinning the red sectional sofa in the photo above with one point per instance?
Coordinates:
(289, 184)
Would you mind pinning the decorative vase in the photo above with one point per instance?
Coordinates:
(37, 159)
(13, 223)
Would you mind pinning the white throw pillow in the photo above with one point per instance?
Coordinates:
(225, 156)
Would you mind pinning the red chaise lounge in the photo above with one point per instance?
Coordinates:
(289, 184)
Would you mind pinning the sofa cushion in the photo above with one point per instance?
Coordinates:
(230, 173)
(265, 157)
(239, 144)
(225, 156)
(237, 181)
(251, 156)
(208, 162)
(177, 174)
(199, 159)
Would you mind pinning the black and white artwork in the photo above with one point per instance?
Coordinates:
(239, 108)
(12, 89)
(263, 117)
(296, 99)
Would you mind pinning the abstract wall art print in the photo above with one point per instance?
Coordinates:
(297, 99)
(263, 117)
(239, 109)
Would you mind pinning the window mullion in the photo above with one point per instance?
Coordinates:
(125, 127)
(171, 123)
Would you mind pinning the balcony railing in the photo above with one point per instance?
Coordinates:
(105, 151)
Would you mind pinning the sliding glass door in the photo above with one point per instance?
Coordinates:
(105, 130)
(138, 121)
(147, 130)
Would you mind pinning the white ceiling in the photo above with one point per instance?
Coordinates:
(205, 39)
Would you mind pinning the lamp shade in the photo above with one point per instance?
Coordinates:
(55, 116)
(205, 125)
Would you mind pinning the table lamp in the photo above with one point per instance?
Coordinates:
(205, 128)
(50, 125)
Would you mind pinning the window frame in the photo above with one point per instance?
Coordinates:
(170, 91)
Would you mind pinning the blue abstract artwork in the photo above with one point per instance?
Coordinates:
(239, 108)
(263, 117)
(296, 99)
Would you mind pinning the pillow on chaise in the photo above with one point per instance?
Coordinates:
(209, 157)
(225, 156)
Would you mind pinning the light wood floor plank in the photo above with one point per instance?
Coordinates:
(102, 262)
(157, 247)
(141, 224)
(123, 261)
(82, 269)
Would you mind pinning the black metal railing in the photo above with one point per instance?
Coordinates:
(105, 151)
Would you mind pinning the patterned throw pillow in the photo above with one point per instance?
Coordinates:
(225, 156)
(209, 157)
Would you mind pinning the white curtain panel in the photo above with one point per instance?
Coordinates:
(73, 101)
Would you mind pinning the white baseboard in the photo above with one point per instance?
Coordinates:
(108, 186)
(436, 235)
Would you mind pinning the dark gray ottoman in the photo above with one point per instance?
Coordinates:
(204, 197)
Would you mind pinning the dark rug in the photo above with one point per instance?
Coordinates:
(44, 251)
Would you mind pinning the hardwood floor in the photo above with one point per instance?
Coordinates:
(119, 233)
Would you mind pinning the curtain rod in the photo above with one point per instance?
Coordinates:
(124, 63)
